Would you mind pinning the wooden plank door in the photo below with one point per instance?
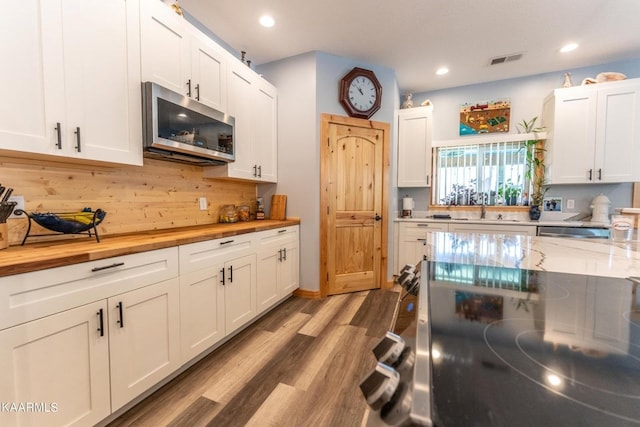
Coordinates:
(354, 171)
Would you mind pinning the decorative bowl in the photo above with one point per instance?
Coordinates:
(70, 222)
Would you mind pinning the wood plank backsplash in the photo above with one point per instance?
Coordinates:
(158, 195)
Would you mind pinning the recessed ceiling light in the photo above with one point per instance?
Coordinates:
(267, 21)
(442, 71)
(569, 47)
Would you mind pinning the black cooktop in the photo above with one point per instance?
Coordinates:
(514, 347)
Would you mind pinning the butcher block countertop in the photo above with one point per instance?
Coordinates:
(39, 256)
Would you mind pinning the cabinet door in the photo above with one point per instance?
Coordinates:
(31, 77)
(239, 291)
(267, 289)
(201, 310)
(412, 239)
(102, 80)
(165, 46)
(618, 134)
(144, 337)
(240, 107)
(208, 73)
(414, 147)
(265, 140)
(60, 360)
(288, 277)
(574, 131)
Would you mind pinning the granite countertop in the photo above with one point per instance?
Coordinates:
(39, 256)
(593, 257)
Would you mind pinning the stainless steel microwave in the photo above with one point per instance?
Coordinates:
(180, 129)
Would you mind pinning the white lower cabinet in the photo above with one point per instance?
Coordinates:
(201, 310)
(278, 266)
(411, 240)
(217, 291)
(61, 363)
(144, 339)
(240, 283)
(82, 341)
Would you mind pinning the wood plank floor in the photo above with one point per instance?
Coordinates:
(300, 365)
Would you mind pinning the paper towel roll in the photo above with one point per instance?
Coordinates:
(407, 203)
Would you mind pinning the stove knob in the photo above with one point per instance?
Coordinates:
(389, 349)
(380, 385)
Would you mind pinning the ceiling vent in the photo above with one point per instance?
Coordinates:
(506, 58)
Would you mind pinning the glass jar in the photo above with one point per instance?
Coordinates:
(228, 213)
(243, 213)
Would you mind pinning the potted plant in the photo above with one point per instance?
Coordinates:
(535, 167)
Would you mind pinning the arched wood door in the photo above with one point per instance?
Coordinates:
(353, 225)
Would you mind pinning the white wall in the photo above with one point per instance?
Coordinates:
(526, 95)
(308, 86)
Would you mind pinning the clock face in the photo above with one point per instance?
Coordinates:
(362, 93)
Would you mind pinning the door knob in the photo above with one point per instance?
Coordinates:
(377, 217)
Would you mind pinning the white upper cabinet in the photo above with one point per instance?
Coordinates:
(73, 81)
(593, 133)
(414, 147)
(179, 57)
(253, 104)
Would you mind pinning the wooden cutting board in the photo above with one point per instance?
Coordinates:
(278, 207)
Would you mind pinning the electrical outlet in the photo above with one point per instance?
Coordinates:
(203, 203)
(571, 204)
(20, 204)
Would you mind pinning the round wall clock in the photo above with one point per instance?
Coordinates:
(360, 93)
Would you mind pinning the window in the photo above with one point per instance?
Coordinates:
(490, 173)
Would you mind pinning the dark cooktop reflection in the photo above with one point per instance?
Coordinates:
(519, 347)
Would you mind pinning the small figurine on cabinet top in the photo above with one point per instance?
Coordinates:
(408, 102)
(567, 80)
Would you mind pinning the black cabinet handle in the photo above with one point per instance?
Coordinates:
(259, 171)
(284, 251)
(282, 231)
(226, 242)
(106, 267)
(231, 274)
(100, 322)
(189, 88)
(255, 170)
(599, 174)
(77, 132)
(222, 272)
(427, 179)
(121, 317)
(280, 255)
(59, 133)
(590, 174)
(198, 92)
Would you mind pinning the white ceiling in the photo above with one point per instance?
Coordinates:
(415, 37)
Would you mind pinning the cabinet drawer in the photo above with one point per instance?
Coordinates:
(196, 256)
(29, 296)
(278, 237)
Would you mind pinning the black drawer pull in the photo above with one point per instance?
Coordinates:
(106, 267)
(77, 132)
(282, 231)
(58, 132)
(121, 317)
(222, 272)
(226, 242)
(423, 225)
(101, 322)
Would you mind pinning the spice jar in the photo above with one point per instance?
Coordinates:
(228, 213)
(243, 213)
